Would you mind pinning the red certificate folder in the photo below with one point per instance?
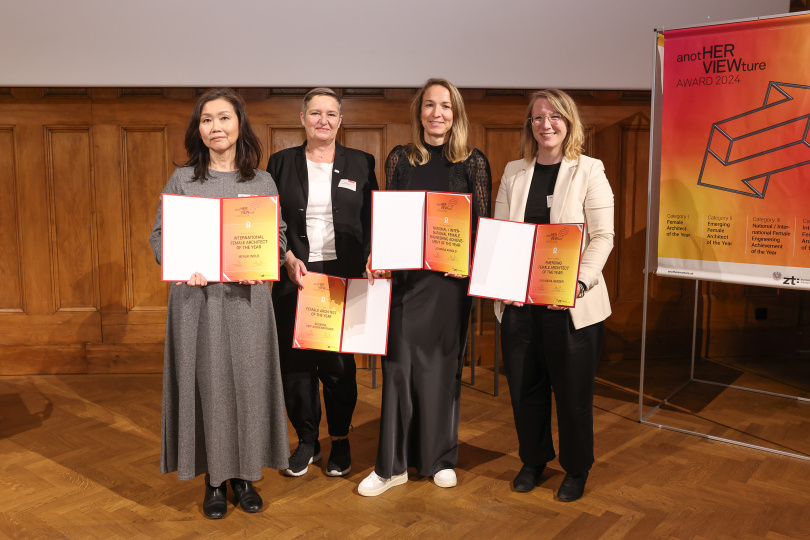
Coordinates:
(523, 262)
(427, 230)
(342, 314)
(229, 239)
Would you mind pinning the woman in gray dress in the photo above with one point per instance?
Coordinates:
(223, 409)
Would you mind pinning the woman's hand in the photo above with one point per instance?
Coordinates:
(251, 282)
(555, 307)
(451, 274)
(511, 303)
(296, 269)
(196, 280)
(371, 275)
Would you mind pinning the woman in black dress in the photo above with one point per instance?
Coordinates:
(429, 310)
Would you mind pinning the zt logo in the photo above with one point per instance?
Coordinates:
(789, 281)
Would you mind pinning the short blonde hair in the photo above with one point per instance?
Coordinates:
(321, 91)
(456, 149)
(565, 105)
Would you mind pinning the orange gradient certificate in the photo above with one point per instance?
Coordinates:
(319, 316)
(230, 239)
(250, 239)
(447, 232)
(555, 265)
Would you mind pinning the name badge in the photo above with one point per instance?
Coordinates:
(549, 200)
(348, 184)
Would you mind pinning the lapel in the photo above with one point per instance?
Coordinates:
(301, 169)
(520, 191)
(561, 188)
(337, 169)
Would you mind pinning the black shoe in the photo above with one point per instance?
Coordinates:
(340, 458)
(215, 504)
(572, 487)
(246, 496)
(305, 454)
(527, 478)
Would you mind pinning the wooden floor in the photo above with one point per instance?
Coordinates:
(80, 460)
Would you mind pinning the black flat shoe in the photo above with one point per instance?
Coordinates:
(572, 487)
(527, 478)
(246, 496)
(215, 504)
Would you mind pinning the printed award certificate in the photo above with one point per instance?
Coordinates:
(522, 262)
(555, 265)
(447, 232)
(342, 314)
(250, 239)
(415, 230)
(319, 315)
(228, 239)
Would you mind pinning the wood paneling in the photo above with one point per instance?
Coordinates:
(72, 212)
(11, 293)
(145, 174)
(369, 139)
(82, 169)
(283, 137)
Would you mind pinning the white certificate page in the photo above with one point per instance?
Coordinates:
(365, 319)
(397, 230)
(502, 260)
(191, 239)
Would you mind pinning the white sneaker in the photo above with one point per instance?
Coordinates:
(445, 478)
(373, 485)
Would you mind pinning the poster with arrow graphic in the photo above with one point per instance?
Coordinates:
(735, 153)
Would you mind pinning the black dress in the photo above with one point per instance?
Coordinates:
(427, 331)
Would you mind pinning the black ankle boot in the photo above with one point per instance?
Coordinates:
(246, 496)
(214, 504)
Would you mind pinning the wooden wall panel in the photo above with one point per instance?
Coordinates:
(145, 174)
(72, 211)
(282, 137)
(11, 293)
(82, 170)
(501, 145)
(369, 139)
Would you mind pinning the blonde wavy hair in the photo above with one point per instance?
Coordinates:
(563, 104)
(456, 149)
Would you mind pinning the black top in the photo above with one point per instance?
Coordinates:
(435, 174)
(469, 176)
(538, 209)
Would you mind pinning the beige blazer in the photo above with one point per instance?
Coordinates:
(582, 194)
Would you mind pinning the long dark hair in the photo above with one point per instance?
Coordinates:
(248, 146)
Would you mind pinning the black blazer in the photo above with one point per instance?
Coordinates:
(351, 209)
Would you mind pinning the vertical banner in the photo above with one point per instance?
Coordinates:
(735, 153)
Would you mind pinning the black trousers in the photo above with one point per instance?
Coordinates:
(301, 370)
(542, 351)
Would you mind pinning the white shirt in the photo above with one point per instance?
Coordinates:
(320, 224)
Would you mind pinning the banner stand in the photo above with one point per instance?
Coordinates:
(651, 266)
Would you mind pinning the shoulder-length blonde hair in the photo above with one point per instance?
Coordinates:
(456, 149)
(563, 104)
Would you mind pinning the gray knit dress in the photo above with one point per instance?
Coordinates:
(223, 406)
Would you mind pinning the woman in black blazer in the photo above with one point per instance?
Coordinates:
(325, 196)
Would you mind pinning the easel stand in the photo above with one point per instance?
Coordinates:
(650, 261)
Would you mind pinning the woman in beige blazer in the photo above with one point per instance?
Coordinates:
(553, 347)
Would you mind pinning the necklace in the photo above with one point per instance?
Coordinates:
(313, 154)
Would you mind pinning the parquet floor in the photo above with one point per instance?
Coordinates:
(79, 459)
